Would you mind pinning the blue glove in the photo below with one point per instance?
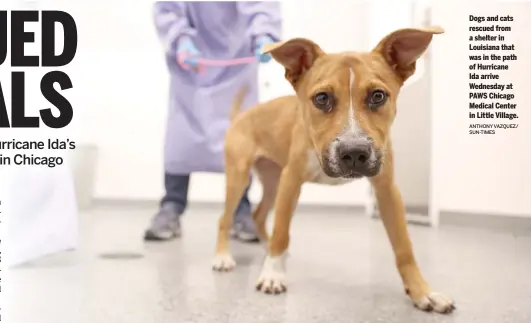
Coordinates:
(189, 51)
(260, 42)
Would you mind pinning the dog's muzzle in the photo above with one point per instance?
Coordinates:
(352, 157)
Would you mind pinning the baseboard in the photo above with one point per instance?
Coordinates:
(318, 208)
(416, 214)
(500, 222)
(124, 203)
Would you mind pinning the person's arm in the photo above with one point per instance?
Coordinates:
(172, 24)
(264, 20)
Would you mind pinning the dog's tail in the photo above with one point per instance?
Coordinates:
(238, 101)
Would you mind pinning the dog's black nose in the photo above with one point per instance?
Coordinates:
(353, 155)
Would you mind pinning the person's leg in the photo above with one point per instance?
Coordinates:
(244, 226)
(166, 223)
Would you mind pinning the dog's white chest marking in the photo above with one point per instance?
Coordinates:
(316, 174)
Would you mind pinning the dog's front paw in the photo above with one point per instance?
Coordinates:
(223, 262)
(272, 280)
(271, 284)
(435, 302)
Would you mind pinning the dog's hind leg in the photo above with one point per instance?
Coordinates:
(238, 162)
(269, 174)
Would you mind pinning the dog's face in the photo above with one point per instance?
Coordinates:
(349, 99)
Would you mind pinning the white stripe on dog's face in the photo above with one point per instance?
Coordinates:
(353, 126)
(351, 129)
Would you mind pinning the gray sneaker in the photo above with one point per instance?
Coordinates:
(165, 225)
(244, 229)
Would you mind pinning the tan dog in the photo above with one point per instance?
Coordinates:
(336, 129)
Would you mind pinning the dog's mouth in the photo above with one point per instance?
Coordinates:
(334, 167)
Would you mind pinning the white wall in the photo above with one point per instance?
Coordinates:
(488, 173)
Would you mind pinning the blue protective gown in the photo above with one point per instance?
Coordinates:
(199, 104)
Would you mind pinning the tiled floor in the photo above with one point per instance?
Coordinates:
(340, 270)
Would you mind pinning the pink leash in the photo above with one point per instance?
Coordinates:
(213, 62)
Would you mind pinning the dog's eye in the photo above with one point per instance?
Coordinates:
(324, 101)
(376, 98)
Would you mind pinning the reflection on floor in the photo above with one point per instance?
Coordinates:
(340, 270)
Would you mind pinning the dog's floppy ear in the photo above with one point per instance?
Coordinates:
(297, 55)
(403, 47)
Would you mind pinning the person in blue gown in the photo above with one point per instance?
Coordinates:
(199, 103)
